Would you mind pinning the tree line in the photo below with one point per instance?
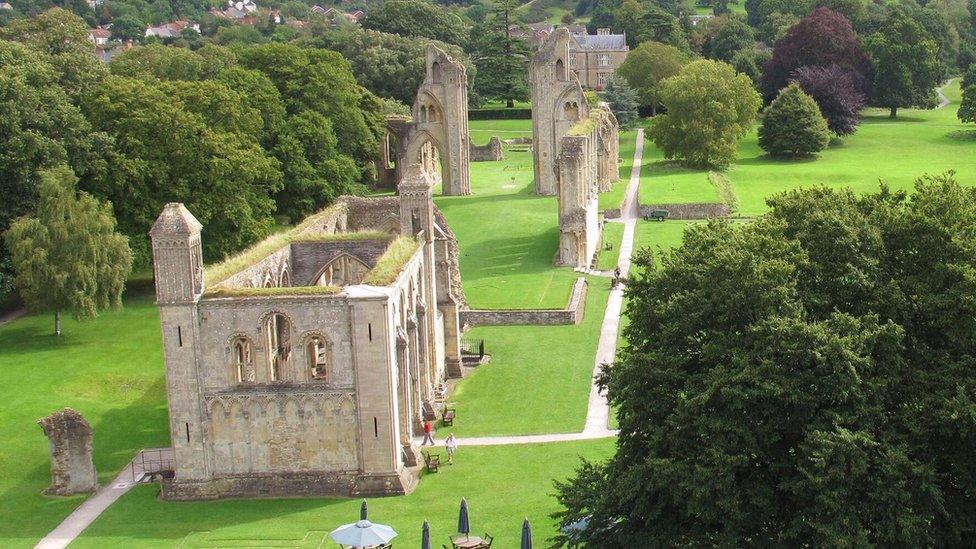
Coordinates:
(247, 137)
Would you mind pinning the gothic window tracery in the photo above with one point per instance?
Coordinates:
(318, 356)
(278, 333)
(242, 359)
(342, 271)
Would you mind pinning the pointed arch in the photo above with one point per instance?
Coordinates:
(343, 270)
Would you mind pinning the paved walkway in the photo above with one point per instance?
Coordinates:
(943, 100)
(598, 410)
(87, 512)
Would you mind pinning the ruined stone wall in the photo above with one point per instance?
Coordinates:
(270, 271)
(224, 319)
(72, 468)
(558, 104)
(452, 259)
(579, 222)
(372, 213)
(308, 258)
(492, 152)
(572, 314)
(608, 148)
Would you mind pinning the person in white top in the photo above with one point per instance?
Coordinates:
(451, 444)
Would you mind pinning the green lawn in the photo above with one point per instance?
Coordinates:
(915, 143)
(613, 233)
(538, 377)
(502, 484)
(110, 370)
(615, 196)
(508, 235)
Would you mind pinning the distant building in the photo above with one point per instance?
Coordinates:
(696, 19)
(5, 6)
(173, 29)
(594, 57)
(335, 16)
(99, 36)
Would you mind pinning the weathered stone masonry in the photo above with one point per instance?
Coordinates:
(292, 376)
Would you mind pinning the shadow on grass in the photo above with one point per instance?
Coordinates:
(962, 135)
(776, 160)
(880, 118)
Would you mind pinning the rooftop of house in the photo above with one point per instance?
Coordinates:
(593, 42)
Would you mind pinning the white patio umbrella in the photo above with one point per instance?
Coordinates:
(363, 534)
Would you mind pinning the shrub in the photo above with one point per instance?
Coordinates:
(792, 125)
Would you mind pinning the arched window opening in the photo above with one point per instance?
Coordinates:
(343, 271)
(571, 110)
(284, 280)
(243, 363)
(318, 354)
(278, 331)
(560, 70)
(436, 73)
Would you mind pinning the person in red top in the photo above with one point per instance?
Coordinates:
(428, 434)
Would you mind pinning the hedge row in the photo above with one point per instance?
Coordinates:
(500, 114)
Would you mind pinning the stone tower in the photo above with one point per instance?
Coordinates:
(178, 272)
(440, 121)
(558, 104)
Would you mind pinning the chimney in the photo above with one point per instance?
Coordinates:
(602, 31)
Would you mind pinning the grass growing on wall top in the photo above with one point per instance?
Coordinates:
(389, 265)
(215, 274)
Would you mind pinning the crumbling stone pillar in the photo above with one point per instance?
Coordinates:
(72, 468)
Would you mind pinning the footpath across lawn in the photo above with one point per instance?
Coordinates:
(502, 484)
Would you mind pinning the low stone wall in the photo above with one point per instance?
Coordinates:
(688, 211)
(572, 314)
(492, 152)
(294, 484)
(611, 213)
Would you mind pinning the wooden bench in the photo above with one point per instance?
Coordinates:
(428, 412)
(447, 416)
(656, 215)
(431, 461)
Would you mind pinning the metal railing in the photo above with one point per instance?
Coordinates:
(473, 347)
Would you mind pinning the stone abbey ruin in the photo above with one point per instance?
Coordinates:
(305, 365)
(576, 149)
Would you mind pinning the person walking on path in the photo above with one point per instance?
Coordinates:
(428, 433)
(451, 445)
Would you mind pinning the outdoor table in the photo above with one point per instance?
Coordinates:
(468, 542)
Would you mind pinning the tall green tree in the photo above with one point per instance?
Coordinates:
(502, 60)
(792, 125)
(67, 254)
(163, 149)
(39, 128)
(967, 108)
(907, 67)
(647, 65)
(62, 38)
(416, 18)
(726, 35)
(623, 102)
(709, 108)
(803, 380)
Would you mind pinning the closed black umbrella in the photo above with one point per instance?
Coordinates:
(425, 536)
(526, 535)
(464, 526)
(363, 511)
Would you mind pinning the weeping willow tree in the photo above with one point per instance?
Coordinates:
(68, 255)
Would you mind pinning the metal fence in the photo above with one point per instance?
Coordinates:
(152, 461)
(473, 347)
